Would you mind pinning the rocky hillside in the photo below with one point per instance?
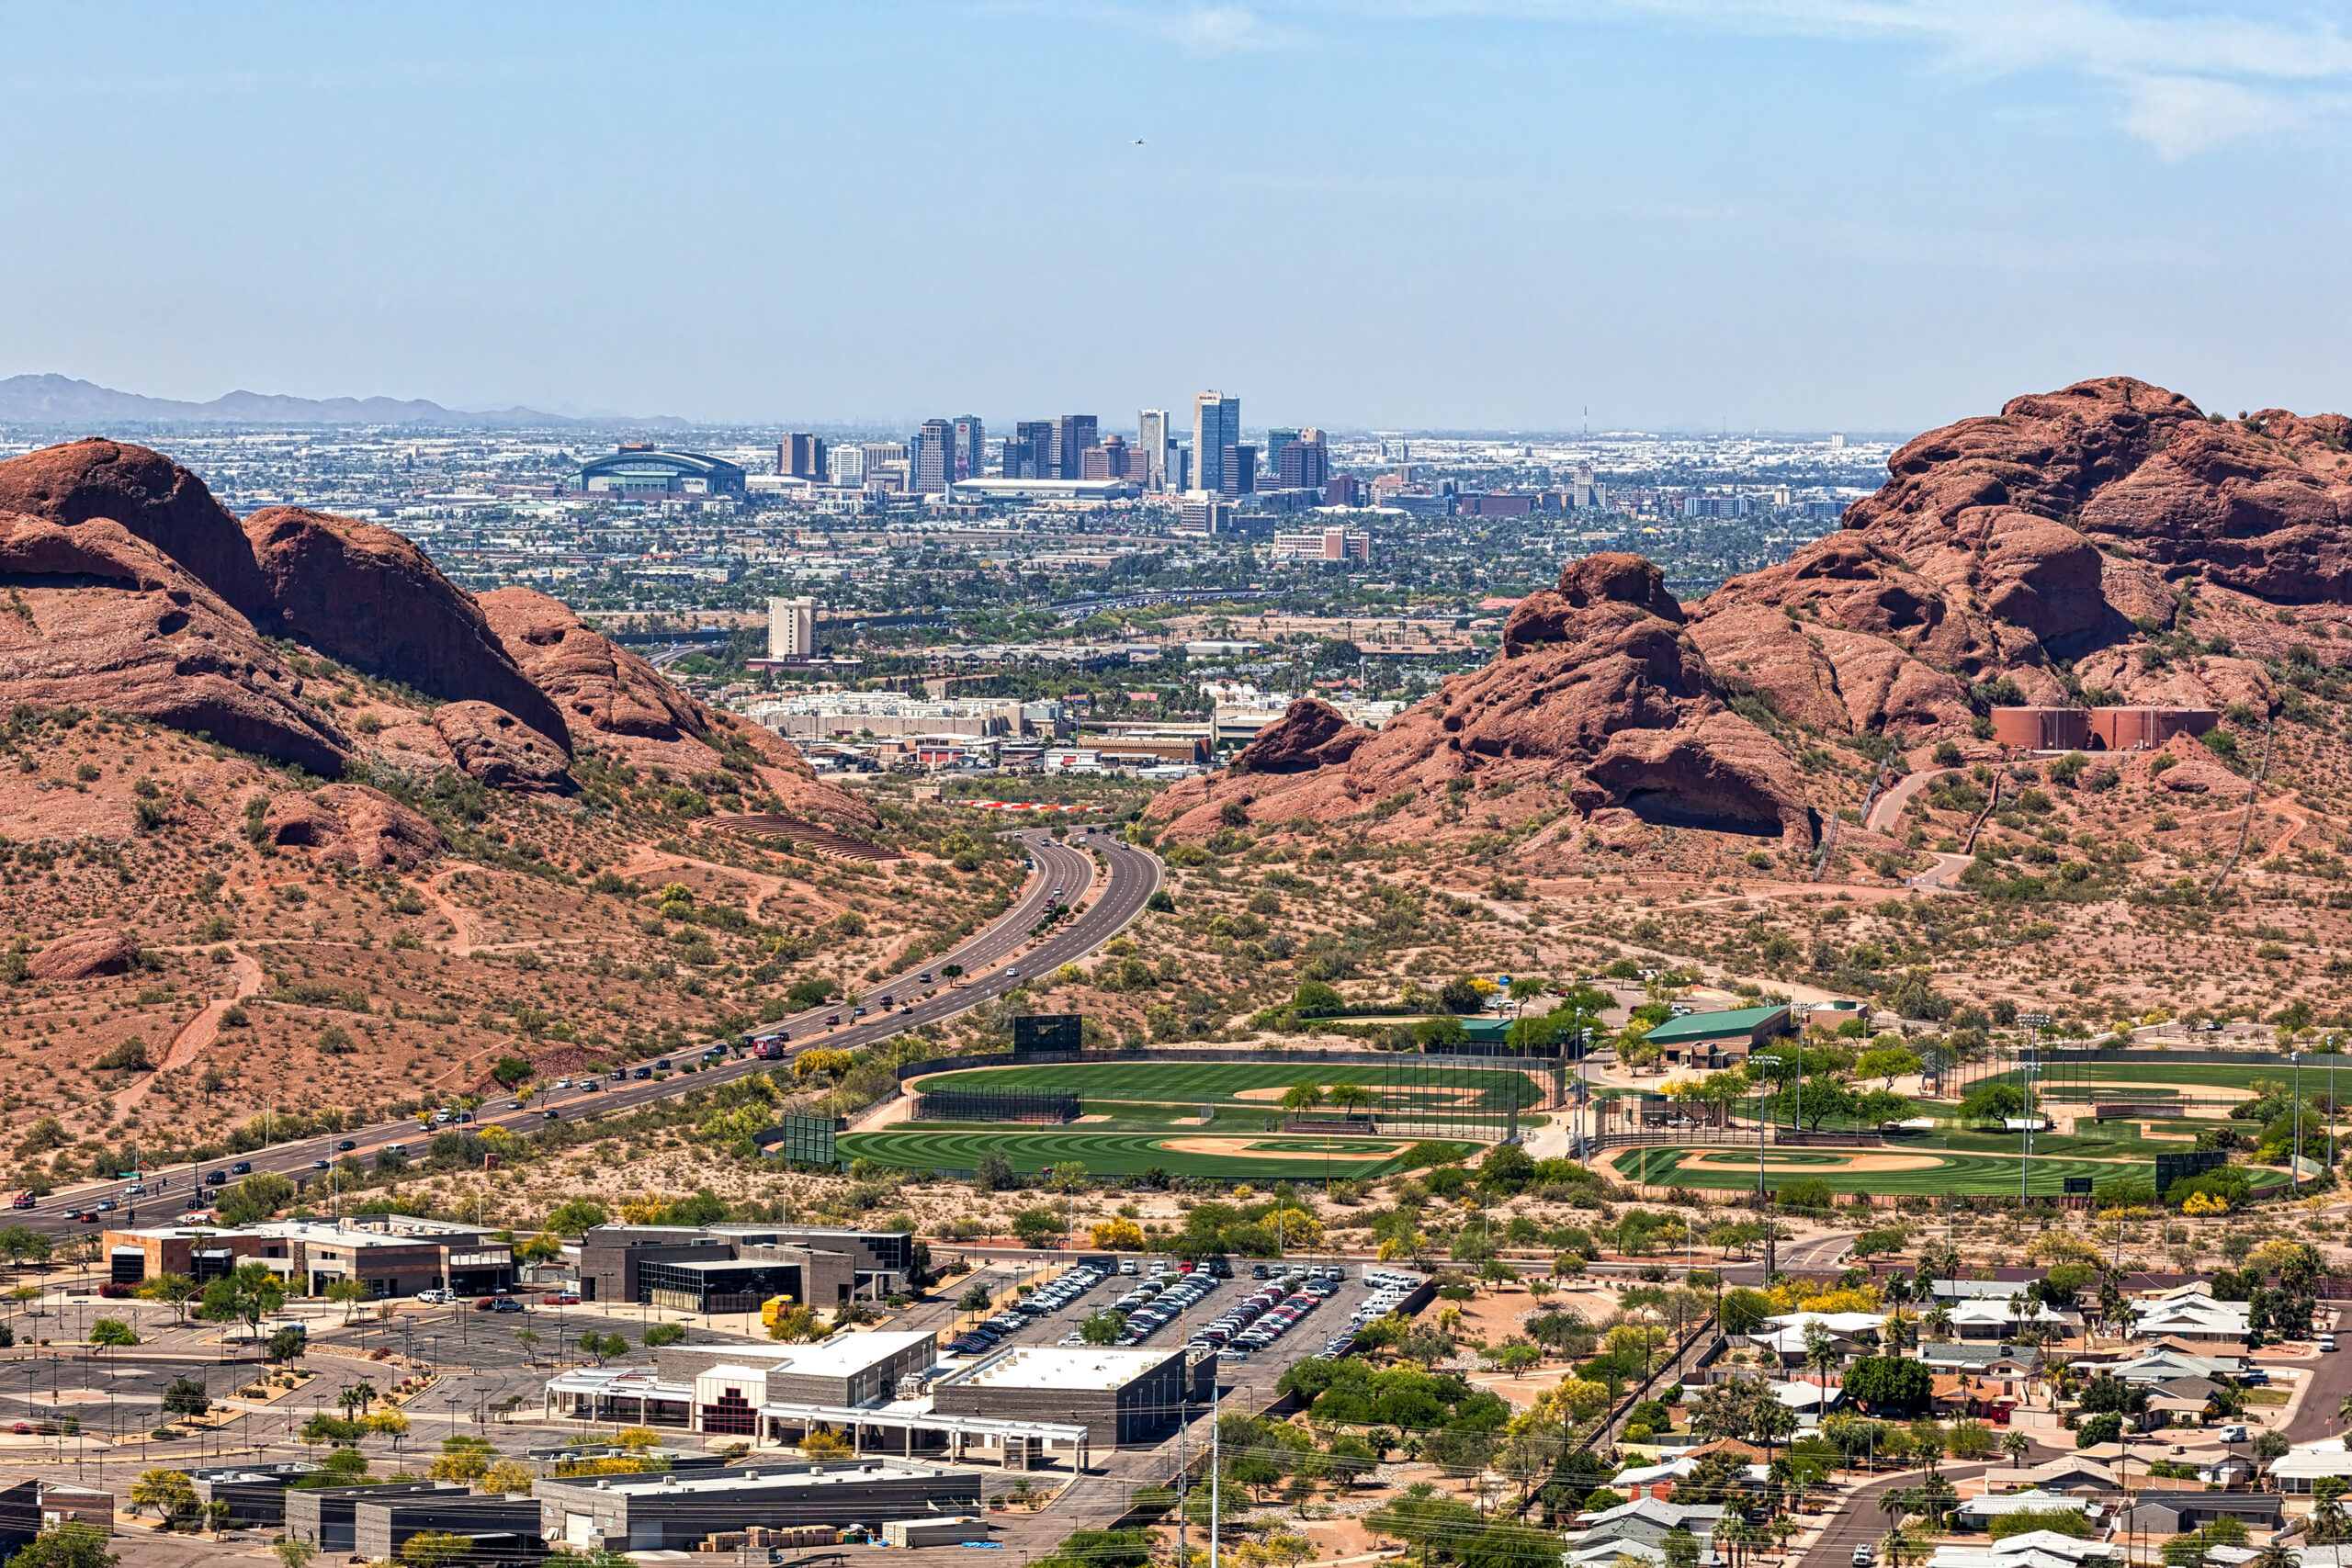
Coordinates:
(2107, 543)
(131, 590)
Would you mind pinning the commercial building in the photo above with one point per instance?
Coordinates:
(1217, 425)
(1304, 462)
(934, 465)
(1073, 434)
(1206, 515)
(1030, 454)
(1345, 490)
(255, 1495)
(1123, 1396)
(801, 457)
(1324, 544)
(1070, 490)
(642, 470)
(792, 628)
(668, 1512)
(1238, 475)
(499, 1526)
(815, 1265)
(1711, 1039)
(326, 1517)
(1152, 439)
(392, 1255)
(971, 444)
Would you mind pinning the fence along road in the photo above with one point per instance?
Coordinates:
(989, 957)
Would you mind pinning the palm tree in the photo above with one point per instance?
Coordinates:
(1820, 1351)
(2015, 1445)
(2278, 1555)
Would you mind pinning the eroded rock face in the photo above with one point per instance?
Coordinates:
(1311, 734)
(80, 955)
(501, 750)
(1599, 692)
(352, 825)
(98, 618)
(367, 597)
(152, 498)
(594, 683)
(606, 691)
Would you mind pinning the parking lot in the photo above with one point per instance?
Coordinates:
(1257, 1328)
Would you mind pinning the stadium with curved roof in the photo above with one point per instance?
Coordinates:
(641, 468)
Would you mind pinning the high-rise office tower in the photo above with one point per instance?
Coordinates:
(934, 457)
(1239, 470)
(1074, 434)
(792, 628)
(971, 448)
(846, 465)
(1273, 450)
(1180, 467)
(1036, 439)
(801, 457)
(1303, 463)
(1217, 425)
(1151, 442)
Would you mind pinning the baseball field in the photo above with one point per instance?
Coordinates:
(1230, 1156)
(1891, 1169)
(1211, 1119)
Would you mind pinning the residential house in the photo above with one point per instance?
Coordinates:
(1977, 1513)
(1647, 1522)
(2194, 1319)
(2072, 1474)
(1998, 1320)
(2171, 1513)
(2034, 1549)
(2295, 1470)
(2009, 1366)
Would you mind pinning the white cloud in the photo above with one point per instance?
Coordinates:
(2182, 78)
(1221, 29)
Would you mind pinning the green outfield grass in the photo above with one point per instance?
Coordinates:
(1223, 1083)
(1244, 1154)
(1725, 1167)
(2056, 1072)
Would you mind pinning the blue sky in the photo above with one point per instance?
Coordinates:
(1797, 214)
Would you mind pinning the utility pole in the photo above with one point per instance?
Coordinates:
(1213, 1467)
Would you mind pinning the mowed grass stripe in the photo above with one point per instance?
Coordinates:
(1223, 1082)
(1958, 1173)
(1120, 1154)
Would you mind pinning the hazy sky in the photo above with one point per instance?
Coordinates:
(1799, 214)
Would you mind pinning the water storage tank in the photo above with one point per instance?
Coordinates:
(2140, 729)
(2043, 729)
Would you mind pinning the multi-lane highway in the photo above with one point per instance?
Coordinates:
(994, 960)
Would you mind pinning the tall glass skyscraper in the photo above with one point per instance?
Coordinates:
(1217, 425)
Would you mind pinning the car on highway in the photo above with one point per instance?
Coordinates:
(563, 1083)
(591, 1085)
(662, 1065)
(642, 1073)
(398, 1151)
(346, 1146)
(505, 1303)
(134, 1191)
(924, 977)
(242, 1167)
(86, 1217)
(321, 1164)
(1013, 974)
(216, 1179)
(107, 1205)
(22, 1201)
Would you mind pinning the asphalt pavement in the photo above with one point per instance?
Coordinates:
(995, 960)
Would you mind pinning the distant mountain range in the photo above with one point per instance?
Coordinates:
(61, 400)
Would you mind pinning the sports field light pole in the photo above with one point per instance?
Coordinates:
(2295, 1164)
(1774, 1061)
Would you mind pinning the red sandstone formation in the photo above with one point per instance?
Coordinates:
(148, 494)
(1600, 693)
(1311, 735)
(604, 690)
(96, 619)
(352, 825)
(367, 597)
(501, 750)
(80, 955)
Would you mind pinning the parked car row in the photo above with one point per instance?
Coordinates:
(986, 1336)
(1159, 1300)
(1267, 1313)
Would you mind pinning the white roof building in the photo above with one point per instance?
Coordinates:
(2295, 1470)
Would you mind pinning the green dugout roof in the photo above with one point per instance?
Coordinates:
(1741, 1023)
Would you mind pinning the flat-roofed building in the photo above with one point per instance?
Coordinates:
(1709, 1039)
(815, 1265)
(657, 1513)
(1130, 1396)
(392, 1255)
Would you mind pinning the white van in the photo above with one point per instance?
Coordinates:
(2232, 1433)
(2326, 1341)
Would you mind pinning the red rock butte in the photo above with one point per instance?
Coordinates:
(2043, 559)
